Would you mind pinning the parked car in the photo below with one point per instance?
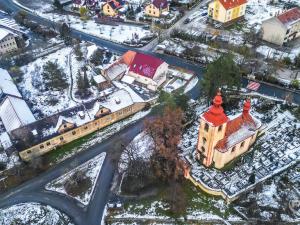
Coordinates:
(186, 21)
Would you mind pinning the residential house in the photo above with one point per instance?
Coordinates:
(137, 67)
(146, 69)
(157, 8)
(227, 11)
(113, 7)
(282, 28)
(222, 139)
(7, 41)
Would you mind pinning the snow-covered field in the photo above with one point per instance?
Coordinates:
(32, 214)
(91, 169)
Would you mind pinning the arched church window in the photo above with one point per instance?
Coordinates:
(233, 149)
(206, 127)
(220, 128)
(202, 149)
(204, 140)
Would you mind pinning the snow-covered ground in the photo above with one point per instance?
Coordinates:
(33, 89)
(119, 33)
(260, 10)
(33, 214)
(272, 53)
(91, 169)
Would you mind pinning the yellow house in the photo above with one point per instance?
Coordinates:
(112, 8)
(222, 139)
(157, 8)
(225, 11)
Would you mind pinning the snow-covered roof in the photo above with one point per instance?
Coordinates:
(134, 96)
(128, 79)
(15, 113)
(60, 121)
(115, 70)
(4, 33)
(118, 100)
(7, 84)
(99, 79)
(5, 140)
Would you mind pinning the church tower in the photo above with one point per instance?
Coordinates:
(212, 129)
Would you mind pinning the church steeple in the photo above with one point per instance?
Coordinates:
(215, 115)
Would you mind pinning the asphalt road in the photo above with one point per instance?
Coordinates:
(33, 190)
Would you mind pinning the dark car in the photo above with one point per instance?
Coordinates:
(186, 21)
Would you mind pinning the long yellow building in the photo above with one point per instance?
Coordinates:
(47, 134)
(226, 11)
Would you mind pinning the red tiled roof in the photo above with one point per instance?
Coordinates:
(234, 125)
(229, 4)
(215, 115)
(160, 4)
(289, 16)
(145, 65)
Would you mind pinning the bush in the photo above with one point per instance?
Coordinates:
(295, 84)
(78, 184)
(287, 61)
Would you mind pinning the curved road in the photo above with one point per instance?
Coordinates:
(33, 190)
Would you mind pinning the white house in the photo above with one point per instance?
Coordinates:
(282, 28)
(7, 41)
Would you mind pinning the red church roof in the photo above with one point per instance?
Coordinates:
(244, 120)
(145, 65)
(289, 16)
(229, 4)
(215, 114)
(160, 4)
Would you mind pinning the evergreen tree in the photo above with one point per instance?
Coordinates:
(78, 52)
(65, 33)
(252, 178)
(86, 81)
(54, 77)
(57, 4)
(80, 82)
(222, 71)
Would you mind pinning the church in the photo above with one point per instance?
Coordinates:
(222, 139)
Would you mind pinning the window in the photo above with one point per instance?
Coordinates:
(96, 123)
(242, 144)
(48, 143)
(61, 138)
(29, 152)
(65, 125)
(85, 127)
(220, 128)
(41, 146)
(202, 149)
(233, 149)
(206, 127)
(204, 140)
(74, 132)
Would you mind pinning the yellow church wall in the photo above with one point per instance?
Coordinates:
(222, 158)
(212, 136)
